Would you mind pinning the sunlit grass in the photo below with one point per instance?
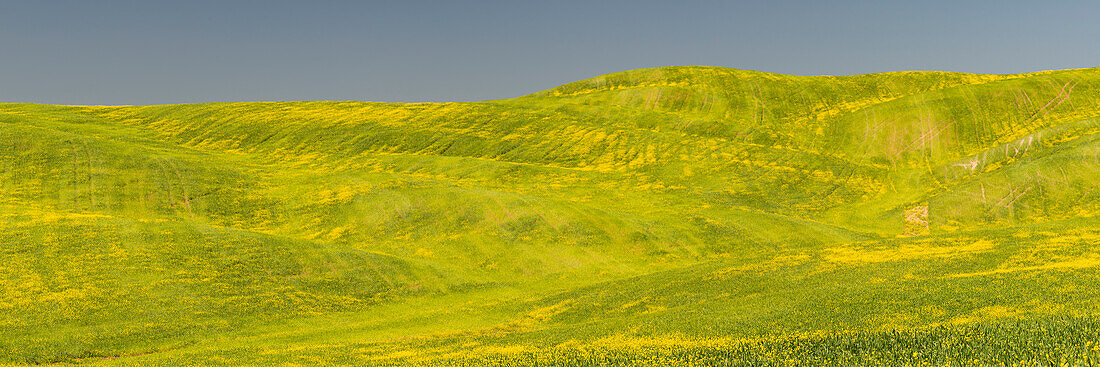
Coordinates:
(670, 216)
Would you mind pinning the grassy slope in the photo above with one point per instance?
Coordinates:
(736, 209)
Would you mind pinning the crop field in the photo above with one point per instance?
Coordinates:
(679, 216)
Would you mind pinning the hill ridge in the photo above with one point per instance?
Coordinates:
(723, 202)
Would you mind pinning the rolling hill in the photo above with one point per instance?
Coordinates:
(681, 215)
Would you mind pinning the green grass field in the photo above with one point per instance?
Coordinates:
(680, 216)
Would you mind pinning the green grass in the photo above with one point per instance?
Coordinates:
(676, 216)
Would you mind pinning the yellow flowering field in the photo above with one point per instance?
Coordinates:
(681, 216)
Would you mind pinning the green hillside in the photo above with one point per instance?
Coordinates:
(670, 216)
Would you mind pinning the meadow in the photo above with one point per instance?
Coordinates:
(680, 216)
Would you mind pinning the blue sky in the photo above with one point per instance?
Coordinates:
(150, 52)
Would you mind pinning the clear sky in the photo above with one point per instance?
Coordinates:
(150, 52)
